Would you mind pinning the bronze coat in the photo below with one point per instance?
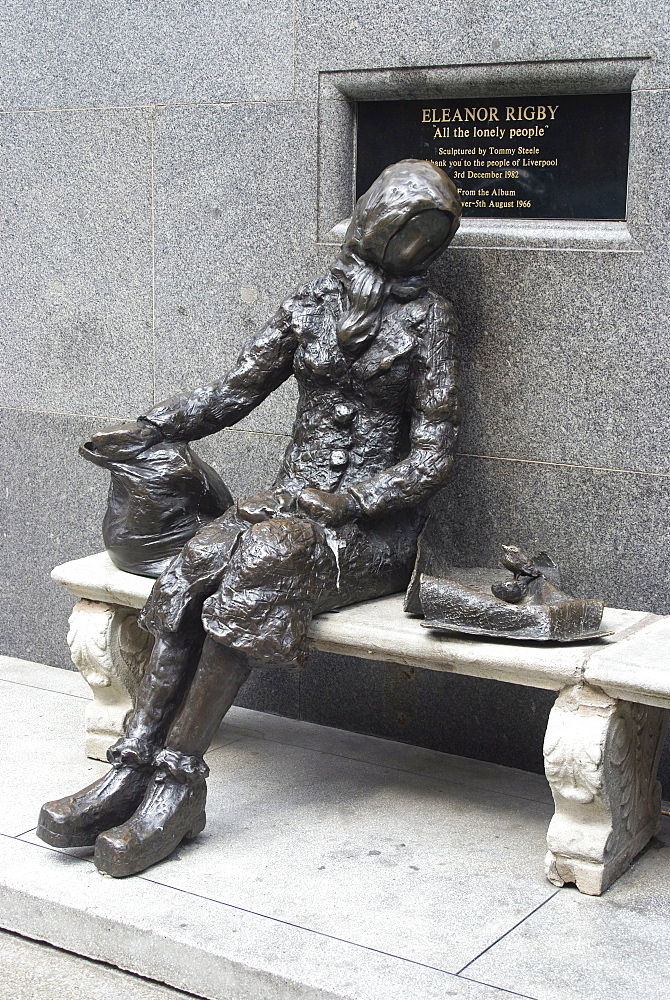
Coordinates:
(379, 422)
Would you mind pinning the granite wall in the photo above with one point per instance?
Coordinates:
(170, 170)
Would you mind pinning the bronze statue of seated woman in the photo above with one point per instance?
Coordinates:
(372, 350)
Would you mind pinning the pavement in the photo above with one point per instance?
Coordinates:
(334, 866)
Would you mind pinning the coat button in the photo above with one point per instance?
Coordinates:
(338, 459)
(344, 413)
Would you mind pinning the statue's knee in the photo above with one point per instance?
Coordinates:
(282, 536)
(209, 547)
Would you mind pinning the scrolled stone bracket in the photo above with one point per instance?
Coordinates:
(601, 756)
(111, 652)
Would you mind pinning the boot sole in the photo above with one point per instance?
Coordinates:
(120, 865)
(76, 827)
(59, 839)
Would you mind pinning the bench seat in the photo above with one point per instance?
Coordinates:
(603, 739)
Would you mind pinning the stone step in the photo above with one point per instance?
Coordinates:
(334, 866)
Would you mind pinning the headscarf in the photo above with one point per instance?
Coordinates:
(402, 191)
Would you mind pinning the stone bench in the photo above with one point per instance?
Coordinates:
(604, 735)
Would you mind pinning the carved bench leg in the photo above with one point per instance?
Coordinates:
(111, 652)
(601, 756)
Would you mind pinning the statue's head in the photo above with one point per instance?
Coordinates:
(406, 218)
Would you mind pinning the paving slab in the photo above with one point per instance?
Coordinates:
(374, 750)
(424, 869)
(333, 865)
(615, 947)
(42, 740)
(41, 752)
(39, 675)
(208, 948)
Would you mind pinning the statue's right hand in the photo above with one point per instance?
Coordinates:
(262, 506)
(124, 440)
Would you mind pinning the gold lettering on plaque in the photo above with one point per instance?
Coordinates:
(531, 112)
(435, 116)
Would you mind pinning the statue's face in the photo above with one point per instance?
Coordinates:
(419, 240)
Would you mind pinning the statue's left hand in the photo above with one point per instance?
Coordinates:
(330, 509)
(124, 440)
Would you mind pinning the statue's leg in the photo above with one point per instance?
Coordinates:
(220, 674)
(173, 661)
(173, 808)
(76, 820)
(259, 615)
(172, 613)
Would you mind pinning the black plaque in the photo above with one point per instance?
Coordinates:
(512, 158)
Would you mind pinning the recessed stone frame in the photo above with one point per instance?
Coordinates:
(341, 90)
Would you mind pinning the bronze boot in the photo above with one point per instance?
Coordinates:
(77, 820)
(172, 810)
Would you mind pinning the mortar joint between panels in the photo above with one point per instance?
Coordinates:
(60, 413)
(251, 430)
(156, 106)
(505, 934)
(650, 90)
(564, 465)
